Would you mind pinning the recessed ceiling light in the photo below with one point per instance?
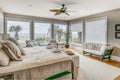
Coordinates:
(29, 5)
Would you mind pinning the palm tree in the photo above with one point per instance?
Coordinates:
(15, 29)
(58, 32)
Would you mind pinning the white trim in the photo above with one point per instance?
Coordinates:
(115, 58)
(76, 44)
(94, 19)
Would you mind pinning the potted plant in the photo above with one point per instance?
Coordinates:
(67, 34)
(16, 30)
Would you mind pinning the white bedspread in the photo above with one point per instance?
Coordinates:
(36, 56)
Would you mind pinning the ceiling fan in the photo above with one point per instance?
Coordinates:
(62, 10)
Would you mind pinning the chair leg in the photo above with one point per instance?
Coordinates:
(84, 52)
(102, 58)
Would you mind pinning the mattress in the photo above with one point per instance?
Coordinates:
(36, 57)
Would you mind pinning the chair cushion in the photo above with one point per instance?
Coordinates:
(93, 51)
(97, 46)
(89, 45)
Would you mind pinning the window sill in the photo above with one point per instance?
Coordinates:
(76, 44)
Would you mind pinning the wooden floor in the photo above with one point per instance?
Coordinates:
(109, 62)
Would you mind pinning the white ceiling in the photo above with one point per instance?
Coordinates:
(41, 8)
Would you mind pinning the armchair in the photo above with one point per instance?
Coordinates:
(98, 49)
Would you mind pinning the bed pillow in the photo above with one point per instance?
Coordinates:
(16, 42)
(12, 50)
(4, 58)
(13, 40)
(22, 50)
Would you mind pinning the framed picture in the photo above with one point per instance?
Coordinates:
(117, 27)
(117, 34)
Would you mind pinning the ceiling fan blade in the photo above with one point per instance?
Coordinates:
(54, 10)
(67, 13)
(58, 13)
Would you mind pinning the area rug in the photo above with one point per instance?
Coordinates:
(91, 69)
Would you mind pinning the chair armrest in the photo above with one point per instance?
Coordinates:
(105, 47)
(108, 47)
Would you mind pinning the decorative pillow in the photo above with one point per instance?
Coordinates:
(90, 45)
(16, 42)
(12, 50)
(22, 50)
(4, 58)
(13, 40)
(29, 43)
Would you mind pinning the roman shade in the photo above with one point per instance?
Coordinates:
(77, 27)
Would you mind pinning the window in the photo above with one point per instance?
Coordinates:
(76, 31)
(96, 30)
(59, 33)
(19, 29)
(76, 37)
(42, 32)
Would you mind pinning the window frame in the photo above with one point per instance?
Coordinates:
(21, 20)
(32, 21)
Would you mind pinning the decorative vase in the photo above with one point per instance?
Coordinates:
(67, 46)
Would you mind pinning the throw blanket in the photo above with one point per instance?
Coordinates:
(39, 56)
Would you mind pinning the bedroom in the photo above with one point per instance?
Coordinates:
(37, 22)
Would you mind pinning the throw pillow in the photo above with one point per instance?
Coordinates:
(22, 50)
(12, 50)
(13, 40)
(29, 43)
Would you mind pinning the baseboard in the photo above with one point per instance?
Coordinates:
(115, 58)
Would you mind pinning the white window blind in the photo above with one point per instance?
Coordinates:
(96, 31)
(77, 27)
(77, 32)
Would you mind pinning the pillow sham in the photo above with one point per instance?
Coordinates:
(22, 50)
(13, 40)
(16, 42)
(12, 50)
(4, 58)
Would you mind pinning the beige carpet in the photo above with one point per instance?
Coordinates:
(94, 70)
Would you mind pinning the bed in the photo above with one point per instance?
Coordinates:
(40, 63)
